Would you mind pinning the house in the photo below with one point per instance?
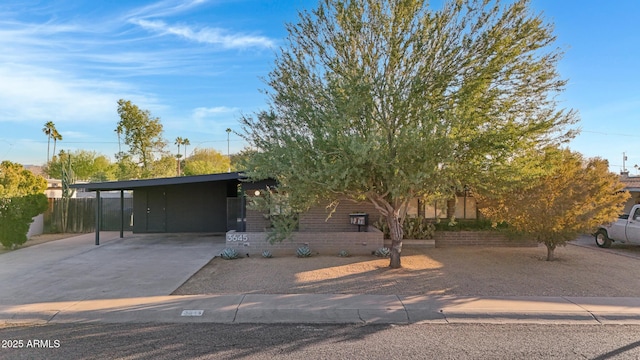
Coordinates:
(201, 203)
(217, 203)
(632, 185)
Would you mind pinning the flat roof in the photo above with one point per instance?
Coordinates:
(135, 184)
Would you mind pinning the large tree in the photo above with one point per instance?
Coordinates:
(86, 165)
(21, 198)
(567, 197)
(206, 161)
(142, 133)
(387, 101)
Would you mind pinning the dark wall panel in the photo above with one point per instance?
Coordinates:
(197, 207)
(139, 211)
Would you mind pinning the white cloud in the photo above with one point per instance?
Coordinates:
(164, 8)
(30, 93)
(204, 112)
(206, 35)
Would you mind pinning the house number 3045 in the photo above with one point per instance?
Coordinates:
(237, 237)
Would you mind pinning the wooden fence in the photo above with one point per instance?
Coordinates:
(81, 216)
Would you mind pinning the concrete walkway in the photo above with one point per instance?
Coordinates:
(329, 309)
(75, 269)
(130, 279)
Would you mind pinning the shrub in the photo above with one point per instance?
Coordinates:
(267, 254)
(414, 228)
(303, 251)
(383, 252)
(229, 254)
(16, 214)
(469, 225)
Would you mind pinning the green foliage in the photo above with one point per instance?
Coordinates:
(163, 167)
(303, 251)
(418, 228)
(413, 228)
(206, 161)
(239, 161)
(267, 254)
(50, 130)
(388, 101)
(470, 225)
(21, 198)
(16, 181)
(343, 253)
(229, 254)
(381, 224)
(142, 133)
(126, 168)
(86, 165)
(383, 252)
(275, 206)
(570, 196)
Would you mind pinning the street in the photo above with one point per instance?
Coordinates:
(206, 341)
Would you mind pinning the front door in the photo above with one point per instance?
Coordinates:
(156, 210)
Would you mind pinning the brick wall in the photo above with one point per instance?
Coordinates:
(323, 243)
(315, 220)
(256, 222)
(478, 238)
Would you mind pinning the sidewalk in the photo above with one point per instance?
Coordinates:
(329, 309)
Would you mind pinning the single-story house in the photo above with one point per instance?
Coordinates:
(201, 203)
(216, 203)
(632, 185)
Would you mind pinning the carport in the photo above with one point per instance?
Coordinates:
(200, 203)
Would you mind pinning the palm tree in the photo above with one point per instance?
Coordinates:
(55, 136)
(49, 129)
(185, 142)
(119, 130)
(179, 141)
(228, 154)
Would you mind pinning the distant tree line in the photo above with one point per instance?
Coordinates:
(145, 155)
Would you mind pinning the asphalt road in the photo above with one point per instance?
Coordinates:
(207, 341)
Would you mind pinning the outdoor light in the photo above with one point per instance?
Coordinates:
(257, 193)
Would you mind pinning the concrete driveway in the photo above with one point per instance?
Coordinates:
(75, 269)
(628, 250)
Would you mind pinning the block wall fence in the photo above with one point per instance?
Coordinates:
(320, 243)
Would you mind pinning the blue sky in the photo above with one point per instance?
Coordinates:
(197, 65)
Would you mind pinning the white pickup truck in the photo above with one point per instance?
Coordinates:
(625, 230)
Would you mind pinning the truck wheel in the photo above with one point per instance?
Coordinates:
(602, 240)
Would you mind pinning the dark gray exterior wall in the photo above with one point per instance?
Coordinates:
(197, 207)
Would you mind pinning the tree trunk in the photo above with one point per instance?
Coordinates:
(550, 249)
(395, 230)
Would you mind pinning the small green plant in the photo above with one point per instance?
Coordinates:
(343, 253)
(414, 228)
(229, 254)
(303, 251)
(418, 228)
(383, 252)
(267, 254)
(470, 225)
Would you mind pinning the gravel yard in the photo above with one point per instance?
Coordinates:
(462, 271)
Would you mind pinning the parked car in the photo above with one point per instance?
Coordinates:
(625, 230)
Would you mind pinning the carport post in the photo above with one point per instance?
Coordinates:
(97, 217)
(121, 214)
